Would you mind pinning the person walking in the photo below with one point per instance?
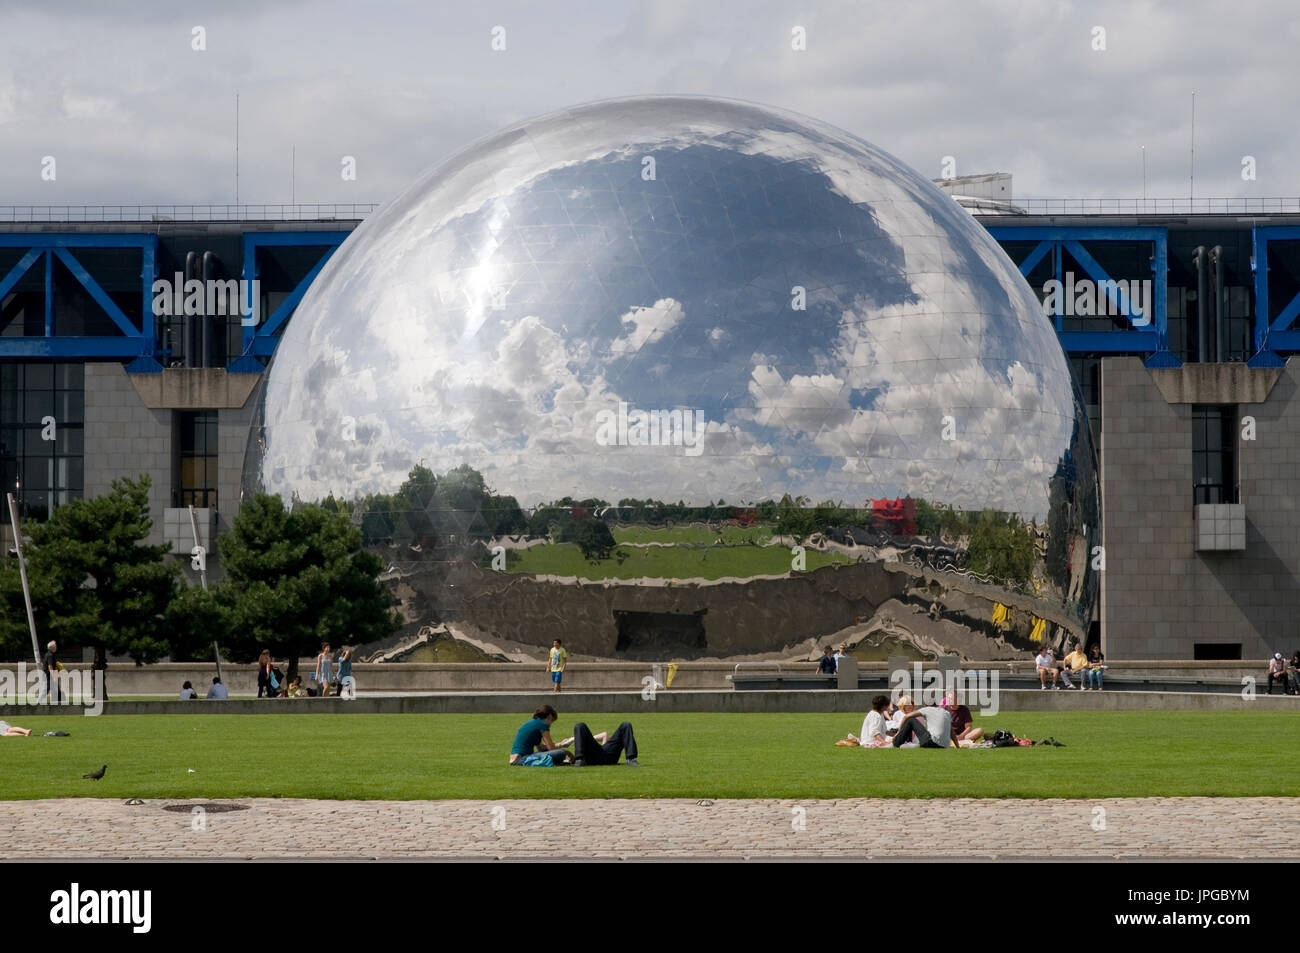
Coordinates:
(100, 665)
(558, 660)
(324, 669)
(49, 675)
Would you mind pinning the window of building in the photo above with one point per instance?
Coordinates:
(42, 427)
(198, 458)
(1214, 453)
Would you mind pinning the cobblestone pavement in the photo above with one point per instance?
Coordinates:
(269, 828)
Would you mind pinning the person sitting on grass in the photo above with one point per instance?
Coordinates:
(217, 691)
(873, 727)
(1046, 668)
(928, 727)
(13, 731)
(601, 749)
(188, 692)
(963, 730)
(534, 735)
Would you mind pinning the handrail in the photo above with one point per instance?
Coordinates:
(163, 214)
(736, 670)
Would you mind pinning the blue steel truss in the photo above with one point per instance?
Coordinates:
(136, 344)
(259, 340)
(1273, 335)
(1152, 342)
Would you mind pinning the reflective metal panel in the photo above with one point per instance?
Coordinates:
(630, 339)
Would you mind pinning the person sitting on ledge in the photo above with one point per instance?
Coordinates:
(1045, 665)
(534, 736)
(188, 692)
(1276, 672)
(217, 691)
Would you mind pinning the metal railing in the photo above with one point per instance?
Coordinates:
(1152, 206)
(161, 214)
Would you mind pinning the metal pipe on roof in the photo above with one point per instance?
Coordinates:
(1202, 323)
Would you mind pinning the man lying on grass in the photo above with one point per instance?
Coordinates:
(534, 738)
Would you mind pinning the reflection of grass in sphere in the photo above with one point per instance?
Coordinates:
(665, 562)
(731, 535)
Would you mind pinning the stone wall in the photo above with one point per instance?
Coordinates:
(757, 615)
(1159, 595)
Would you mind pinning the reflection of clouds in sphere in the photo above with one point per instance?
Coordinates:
(535, 281)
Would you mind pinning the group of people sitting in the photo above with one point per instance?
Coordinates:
(1285, 673)
(333, 676)
(533, 746)
(1087, 668)
(906, 725)
(217, 691)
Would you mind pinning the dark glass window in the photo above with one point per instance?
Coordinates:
(42, 425)
(1214, 453)
(198, 458)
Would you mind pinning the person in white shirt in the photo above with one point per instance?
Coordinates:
(1046, 667)
(874, 725)
(188, 692)
(217, 691)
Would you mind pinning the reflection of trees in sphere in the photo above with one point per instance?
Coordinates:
(772, 313)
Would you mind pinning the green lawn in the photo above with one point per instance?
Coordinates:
(673, 562)
(684, 755)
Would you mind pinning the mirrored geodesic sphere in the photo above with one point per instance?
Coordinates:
(755, 377)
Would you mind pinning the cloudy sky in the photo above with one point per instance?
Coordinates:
(132, 114)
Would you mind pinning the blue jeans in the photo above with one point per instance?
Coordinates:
(1092, 678)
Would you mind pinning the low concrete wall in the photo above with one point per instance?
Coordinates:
(856, 702)
(165, 678)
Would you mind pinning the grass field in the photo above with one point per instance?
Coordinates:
(731, 535)
(1116, 754)
(676, 562)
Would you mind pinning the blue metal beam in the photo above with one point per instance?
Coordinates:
(1099, 276)
(252, 241)
(69, 347)
(101, 297)
(290, 303)
(1109, 342)
(1078, 233)
(1034, 257)
(49, 295)
(17, 271)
